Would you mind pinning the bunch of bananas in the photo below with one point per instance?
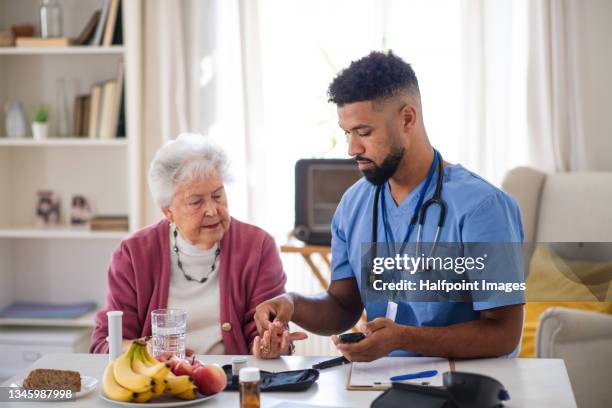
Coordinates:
(137, 377)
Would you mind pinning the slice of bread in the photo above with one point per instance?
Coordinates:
(47, 379)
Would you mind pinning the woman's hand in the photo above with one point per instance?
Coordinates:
(276, 341)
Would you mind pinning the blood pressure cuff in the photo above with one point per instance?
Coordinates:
(409, 395)
(298, 380)
(460, 390)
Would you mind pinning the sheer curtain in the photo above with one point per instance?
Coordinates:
(493, 136)
(167, 88)
(193, 82)
(570, 58)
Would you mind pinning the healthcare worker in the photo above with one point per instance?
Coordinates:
(379, 108)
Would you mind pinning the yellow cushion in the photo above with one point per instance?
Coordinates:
(583, 285)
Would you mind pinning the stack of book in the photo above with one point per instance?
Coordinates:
(34, 310)
(101, 113)
(109, 223)
(103, 28)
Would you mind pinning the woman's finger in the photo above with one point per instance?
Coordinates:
(266, 343)
(275, 342)
(256, 347)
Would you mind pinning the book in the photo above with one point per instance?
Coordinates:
(121, 121)
(89, 30)
(109, 30)
(77, 116)
(37, 42)
(114, 123)
(97, 38)
(109, 223)
(110, 219)
(94, 111)
(96, 227)
(118, 35)
(85, 116)
(106, 131)
(47, 310)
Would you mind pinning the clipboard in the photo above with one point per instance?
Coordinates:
(374, 376)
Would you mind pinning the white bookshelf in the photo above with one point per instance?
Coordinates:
(65, 264)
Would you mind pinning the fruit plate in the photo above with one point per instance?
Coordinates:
(88, 384)
(163, 401)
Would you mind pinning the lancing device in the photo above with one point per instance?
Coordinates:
(115, 334)
(330, 363)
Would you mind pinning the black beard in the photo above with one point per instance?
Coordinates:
(380, 174)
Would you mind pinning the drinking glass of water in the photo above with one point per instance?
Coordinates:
(169, 327)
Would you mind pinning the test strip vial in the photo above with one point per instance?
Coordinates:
(115, 334)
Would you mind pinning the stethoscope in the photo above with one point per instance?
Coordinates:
(419, 215)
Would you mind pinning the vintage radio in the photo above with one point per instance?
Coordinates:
(319, 186)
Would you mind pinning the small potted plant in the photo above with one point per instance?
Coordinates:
(40, 126)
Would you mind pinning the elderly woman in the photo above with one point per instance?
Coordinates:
(197, 258)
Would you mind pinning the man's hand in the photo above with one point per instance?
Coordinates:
(276, 341)
(382, 337)
(278, 309)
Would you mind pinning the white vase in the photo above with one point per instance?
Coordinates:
(39, 130)
(15, 120)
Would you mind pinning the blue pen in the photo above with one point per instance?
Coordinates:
(413, 376)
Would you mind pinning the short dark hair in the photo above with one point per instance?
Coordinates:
(379, 75)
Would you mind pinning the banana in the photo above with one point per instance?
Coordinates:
(144, 396)
(159, 388)
(126, 377)
(112, 389)
(189, 394)
(178, 384)
(148, 357)
(141, 366)
(158, 371)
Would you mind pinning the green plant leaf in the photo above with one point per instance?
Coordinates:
(41, 116)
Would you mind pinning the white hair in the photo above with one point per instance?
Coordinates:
(182, 160)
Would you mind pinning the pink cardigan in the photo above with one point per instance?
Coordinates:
(139, 278)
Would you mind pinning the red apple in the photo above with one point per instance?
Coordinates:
(173, 361)
(209, 378)
(163, 357)
(195, 362)
(182, 367)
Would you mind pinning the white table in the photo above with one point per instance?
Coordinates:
(531, 382)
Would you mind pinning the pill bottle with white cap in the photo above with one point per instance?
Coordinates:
(238, 363)
(249, 387)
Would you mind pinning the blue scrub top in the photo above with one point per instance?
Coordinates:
(477, 211)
